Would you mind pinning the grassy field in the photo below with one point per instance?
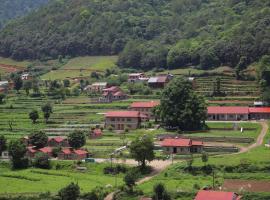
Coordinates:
(176, 179)
(8, 61)
(38, 180)
(82, 67)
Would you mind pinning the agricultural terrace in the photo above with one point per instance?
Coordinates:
(31, 181)
(82, 67)
(247, 168)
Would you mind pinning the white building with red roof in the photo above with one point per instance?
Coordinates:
(216, 195)
(137, 77)
(58, 142)
(144, 108)
(182, 146)
(227, 113)
(257, 113)
(120, 120)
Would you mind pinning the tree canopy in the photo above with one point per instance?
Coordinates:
(38, 139)
(76, 139)
(147, 33)
(181, 108)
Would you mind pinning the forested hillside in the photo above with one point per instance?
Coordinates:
(146, 33)
(10, 9)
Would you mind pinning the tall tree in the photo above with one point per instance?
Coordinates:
(181, 108)
(18, 83)
(3, 143)
(70, 192)
(76, 139)
(47, 110)
(33, 115)
(160, 192)
(142, 150)
(38, 139)
(17, 151)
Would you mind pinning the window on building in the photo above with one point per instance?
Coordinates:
(128, 119)
(112, 119)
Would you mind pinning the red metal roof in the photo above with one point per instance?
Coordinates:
(31, 149)
(216, 195)
(259, 110)
(66, 151)
(147, 104)
(129, 114)
(227, 110)
(80, 152)
(97, 132)
(180, 142)
(57, 139)
(46, 150)
(176, 143)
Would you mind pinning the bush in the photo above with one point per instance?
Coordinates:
(42, 161)
(115, 170)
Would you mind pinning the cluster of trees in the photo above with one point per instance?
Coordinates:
(11, 9)
(264, 77)
(180, 107)
(147, 34)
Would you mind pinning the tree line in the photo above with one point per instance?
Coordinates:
(147, 33)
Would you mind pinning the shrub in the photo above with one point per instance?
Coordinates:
(42, 161)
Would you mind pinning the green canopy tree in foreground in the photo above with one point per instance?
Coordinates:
(181, 108)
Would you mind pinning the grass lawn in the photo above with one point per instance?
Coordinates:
(8, 61)
(38, 180)
(82, 67)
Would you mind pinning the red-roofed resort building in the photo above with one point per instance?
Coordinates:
(216, 195)
(120, 120)
(227, 113)
(144, 108)
(182, 146)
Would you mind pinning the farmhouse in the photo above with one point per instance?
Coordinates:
(4, 86)
(182, 146)
(26, 77)
(70, 154)
(259, 113)
(144, 108)
(58, 142)
(119, 120)
(46, 150)
(137, 77)
(227, 113)
(159, 81)
(96, 87)
(112, 94)
(96, 133)
(216, 195)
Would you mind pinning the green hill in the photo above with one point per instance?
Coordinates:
(147, 33)
(10, 9)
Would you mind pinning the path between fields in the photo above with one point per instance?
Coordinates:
(160, 165)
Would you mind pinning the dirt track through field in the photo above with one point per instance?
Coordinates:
(158, 165)
(246, 185)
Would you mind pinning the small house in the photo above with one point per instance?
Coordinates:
(5, 155)
(137, 77)
(144, 108)
(119, 120)
(96, 133)
(31, 152)
(46, 150)
(182, 146)
(96, 87)
(159, 81)
(58, 142)
(70, 154)
(216, 195)
(26, 77)
(111, 94)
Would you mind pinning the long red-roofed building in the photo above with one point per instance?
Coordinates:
(235, 113)
(182, 146)
(216, 195)
(144, 107)
(120, 120)
(70, 154)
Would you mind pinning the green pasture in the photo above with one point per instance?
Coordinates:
(8, 61)
(82, 67)
(38, 180)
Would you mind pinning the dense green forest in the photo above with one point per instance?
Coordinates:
(146, 33)
(10, 9)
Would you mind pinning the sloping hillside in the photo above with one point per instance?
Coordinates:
(153, 33)
(10, 9)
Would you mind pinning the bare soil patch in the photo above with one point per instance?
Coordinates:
(246, 185)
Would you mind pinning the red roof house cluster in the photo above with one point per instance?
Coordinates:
(216, 195)
(113, 93)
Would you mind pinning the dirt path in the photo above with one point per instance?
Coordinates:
(259, 140)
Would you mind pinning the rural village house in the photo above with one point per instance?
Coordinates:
(96, 133)
(111, 94)
(5, 86)
(96, 87)
(182, 146)
(234, 113)
(137, 77)
(119, 120)
(58, 142)
(144, 108)
(159, 81)
(71, 154)
(216, 195)
(26, 77)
